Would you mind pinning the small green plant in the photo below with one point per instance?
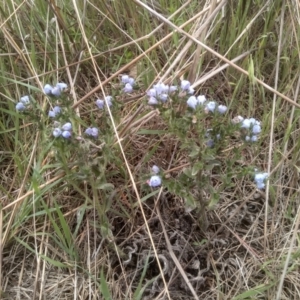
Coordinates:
(202, 127)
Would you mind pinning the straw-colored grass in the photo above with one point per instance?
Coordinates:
(80, 222)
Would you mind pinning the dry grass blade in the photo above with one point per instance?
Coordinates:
(216, 54)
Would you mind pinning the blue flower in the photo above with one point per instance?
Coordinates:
(259, 179)
(192, 102)
(48, 89)
(56, 132)
(201, 99)
(108, 99)
(155, 169)
(154, 181)
(185, 85)
(20, 106)
(210, 106)
(100, 103)
(191, 90)
(247, 123)
(252, 138)
(128, 88)
(53, 113)
(210, 143)
(163, 97)
(127, 79)
(62, 86)
(256, 129)
(57, 109)
(25, 100)
(66, 134)
(172, 88)
(152, 101)
(67, 126)
(151, 93)
(92, 131)
(222, 109)
(56, 91)
(161, 88)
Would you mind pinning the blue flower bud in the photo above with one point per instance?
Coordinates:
(67, 126)
(128, 88)
(56, 132)
(160, 88)
(201, 99)
(155, 169)
(259, 179)
(210, 106)
(25, 100)
(192, 102)
(151, 93)
(66, 134)
(154, 181)
(131, 81)
(100, 103)
(48, 89)
(125, 79)
(56, 110)
(210, 143)
(173, 88)
(56, 91)
(62, 86)
(51, 114)
(190, 90)
(185, 85)
(92, 131)
(222, 109)
(108, 100)
(152, 101)
(254, 138)
(20, 106)
(256, 129)
(163, 97)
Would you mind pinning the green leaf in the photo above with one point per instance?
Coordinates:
(104, 287)
(251, 294)
(196, 168)
(105, 186)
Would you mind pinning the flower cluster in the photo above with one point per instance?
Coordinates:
(129, 83)
(101, 103)
(64, 131)
(186, 86)
(210, 143)
(210, 106)
(92, 132)
(160, 92)
(53, 113)
(252, 127)
(55, 91)
(23, 103)
(155, 180)
(259, 179)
